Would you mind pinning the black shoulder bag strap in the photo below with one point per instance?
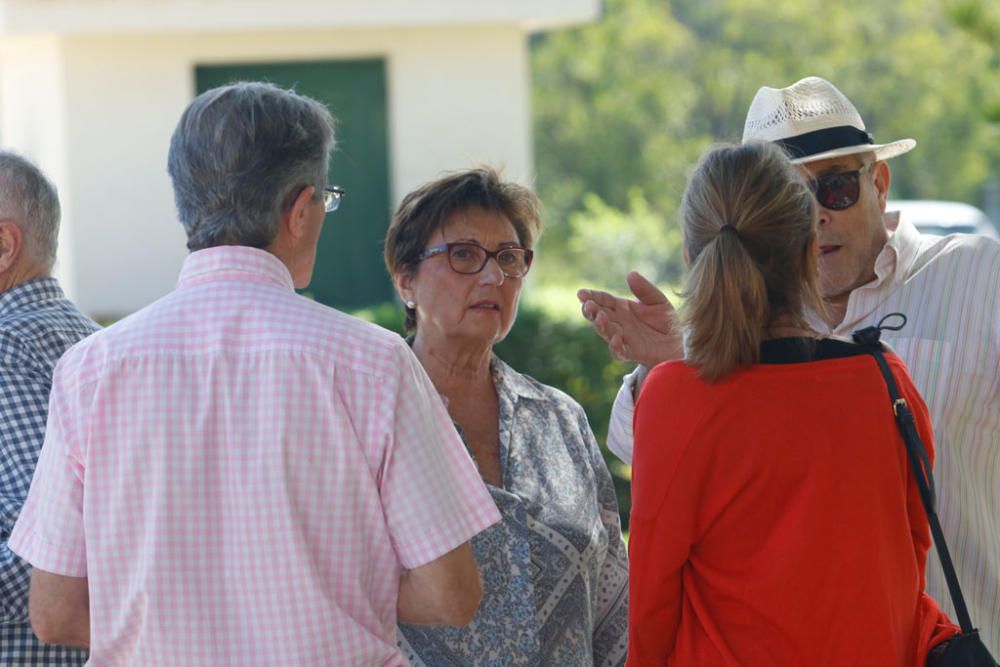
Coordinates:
(920, 464)
(869, 337)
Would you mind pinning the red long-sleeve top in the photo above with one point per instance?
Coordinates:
(776, 521)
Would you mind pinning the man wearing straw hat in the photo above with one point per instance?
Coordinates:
(872, 262)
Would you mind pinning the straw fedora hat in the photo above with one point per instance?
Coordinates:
(812, 120)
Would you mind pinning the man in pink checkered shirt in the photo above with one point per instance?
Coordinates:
(237, 475)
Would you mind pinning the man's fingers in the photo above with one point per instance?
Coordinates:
(602, 299)
(604, 325)
(597, 318)
(618, 348)
(606, 328)
(647, 293)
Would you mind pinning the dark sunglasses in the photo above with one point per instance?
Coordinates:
(839, 190)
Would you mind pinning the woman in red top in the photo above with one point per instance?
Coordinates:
(775, 520)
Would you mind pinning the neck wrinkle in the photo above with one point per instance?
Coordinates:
(454, 370)
(20, 273)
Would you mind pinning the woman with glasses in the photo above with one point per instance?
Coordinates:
(775, 520)
(554, 569)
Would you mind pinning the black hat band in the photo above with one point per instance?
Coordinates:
(821, 141)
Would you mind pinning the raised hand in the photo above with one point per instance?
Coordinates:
(643, 330)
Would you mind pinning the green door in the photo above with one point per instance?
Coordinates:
(349, 270)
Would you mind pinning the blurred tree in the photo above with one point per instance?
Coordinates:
(610, 106)
(606, 243)
(980, 20)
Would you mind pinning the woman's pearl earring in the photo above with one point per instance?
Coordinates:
(411, 305)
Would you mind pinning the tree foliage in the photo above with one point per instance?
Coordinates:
(980, 20)
(605, 242)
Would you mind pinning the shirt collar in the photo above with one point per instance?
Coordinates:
(507, 379)
(900, 251)
(233, 262)
(892, 265)
(29, 293)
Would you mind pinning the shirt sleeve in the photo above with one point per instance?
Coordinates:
(660, 541)
(620, 436)
(49, 533)
(432, 495)
(24, 395)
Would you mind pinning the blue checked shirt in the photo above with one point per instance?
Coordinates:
(37, 324)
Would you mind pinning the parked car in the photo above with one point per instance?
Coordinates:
(944, 217)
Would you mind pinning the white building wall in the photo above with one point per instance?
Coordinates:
(103, 108)
(107, 16)
(462, 102)
(33, 122)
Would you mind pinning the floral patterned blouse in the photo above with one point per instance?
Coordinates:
(554, 570)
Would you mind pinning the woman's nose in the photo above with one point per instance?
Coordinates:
(491, 273)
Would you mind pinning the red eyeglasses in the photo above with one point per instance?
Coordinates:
(469, 258)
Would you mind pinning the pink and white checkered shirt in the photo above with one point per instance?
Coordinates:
(241, 473)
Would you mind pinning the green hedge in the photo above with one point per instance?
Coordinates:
(564, 354)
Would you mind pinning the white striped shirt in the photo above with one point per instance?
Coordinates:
(949, 289)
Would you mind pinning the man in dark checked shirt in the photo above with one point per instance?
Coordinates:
(37, 324)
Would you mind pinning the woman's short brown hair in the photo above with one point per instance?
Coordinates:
(425, 210)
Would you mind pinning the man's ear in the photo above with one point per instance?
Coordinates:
(294, 218)
(11, 242)
(882, 177)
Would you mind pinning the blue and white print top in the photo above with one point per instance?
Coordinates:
(555, 569)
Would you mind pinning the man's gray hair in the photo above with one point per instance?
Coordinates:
(30, 199)
(239, 155)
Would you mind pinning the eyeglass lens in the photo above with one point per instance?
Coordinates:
(837, 191)
(471, 258)
(331, 198)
